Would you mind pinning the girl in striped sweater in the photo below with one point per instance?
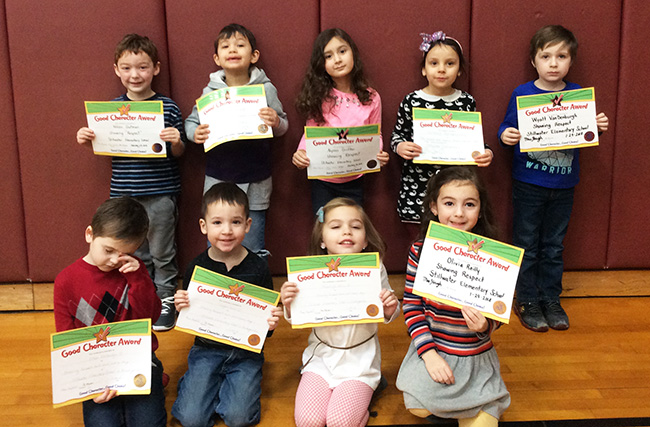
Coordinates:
(451, 369)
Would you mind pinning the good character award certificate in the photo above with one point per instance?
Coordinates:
(86, 361)
(558, 120)
(232, 114)
(227, 310)
(459, 268)
(339, 152)
(127, 128)
(336, 289)
(448, 137)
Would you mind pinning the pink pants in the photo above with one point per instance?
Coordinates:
(318, 405)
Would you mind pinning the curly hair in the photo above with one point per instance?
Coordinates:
(317, 84)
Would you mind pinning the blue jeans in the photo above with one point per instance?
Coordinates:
(225, 382)
(323, 191)
(131, 410)
(158, 251)
(540, 222)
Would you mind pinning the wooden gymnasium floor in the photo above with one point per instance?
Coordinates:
(595, 374)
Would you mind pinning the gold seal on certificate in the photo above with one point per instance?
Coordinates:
(139, 380)
(460, 268)
(336, 289)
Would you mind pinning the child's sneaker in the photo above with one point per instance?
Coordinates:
(531, 316)
(555, 315)
(167, 317)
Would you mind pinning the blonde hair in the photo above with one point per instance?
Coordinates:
(375, 241)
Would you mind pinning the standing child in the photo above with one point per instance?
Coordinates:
(442, 63)
(451, 369)
(335, 93)
(155, 182)
(110, 285)
(542, 188)
(246, 162)
(340, 376)
(223, 380)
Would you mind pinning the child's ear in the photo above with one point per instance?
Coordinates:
(424, 72)
(216, 59)
(117, 71)
(249, 221)
(434, 208)
(156, 68)
(89, 234)
(255, 56)
(204, 226)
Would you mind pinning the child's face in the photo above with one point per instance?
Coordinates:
(339, 59)
(136, 72)
(344, 231)
(458, 205)
(225, 225)
(105, 252)
(441, 68)
(235, 54)
(552, 64)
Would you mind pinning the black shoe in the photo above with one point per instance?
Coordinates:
(555, 315)
(167, 318)
(531, 316)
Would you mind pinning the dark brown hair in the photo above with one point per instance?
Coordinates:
(451, 42)
(225, 192)
(135, 44)
(551, 35)
(122, 218)
(233, 29)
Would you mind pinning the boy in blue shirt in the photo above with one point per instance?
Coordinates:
(222, 380)
(247, 162)
(542, 188)
(154, 182)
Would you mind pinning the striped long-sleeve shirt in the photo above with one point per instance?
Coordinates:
(146, 176)
(433, 325)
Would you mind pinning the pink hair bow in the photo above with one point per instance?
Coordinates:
(429, 39)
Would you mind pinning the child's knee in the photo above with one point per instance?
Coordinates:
(239, 418)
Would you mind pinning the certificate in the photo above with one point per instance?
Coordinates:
(86, 361)
(459, 268)
(558, 120)
(232, 114)
(338, 152)
(127, 128)
(447, 137)
(336, 290)
(227, 310)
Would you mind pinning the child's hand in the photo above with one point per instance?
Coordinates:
(389, 301)
(201, 133)
(269, 116)
(276, 312)
(383, 158)
(484, 159)
(510, 136)
(300, 159)
(476, 322)
(128, 264)
(106, 395)
(85, 135)
(288, 293)
(172, 135)
(602, 122)
(181, 300)
(438, 368)
(408, 150)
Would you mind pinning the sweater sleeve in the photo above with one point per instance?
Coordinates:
(375, 115)
(510, 120)
(63, 319)
(414, 313)
(273, 101)
(143, 301)
(403, 130)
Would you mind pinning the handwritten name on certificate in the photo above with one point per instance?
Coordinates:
(87, 360)
(338, 152)
(336, 289)
(232, 114)
(558, 120)
(459, 268)
(448, 137)
(127, 128)
(227, 310)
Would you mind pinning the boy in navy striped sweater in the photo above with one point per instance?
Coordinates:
(154, 182)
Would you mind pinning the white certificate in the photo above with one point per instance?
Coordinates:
(336, 289)
(558, 120)
(459, 268)
(86, 361)
(339, 152)
(127, 128)
(448, 137)
(227, 310)
(232, 114)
